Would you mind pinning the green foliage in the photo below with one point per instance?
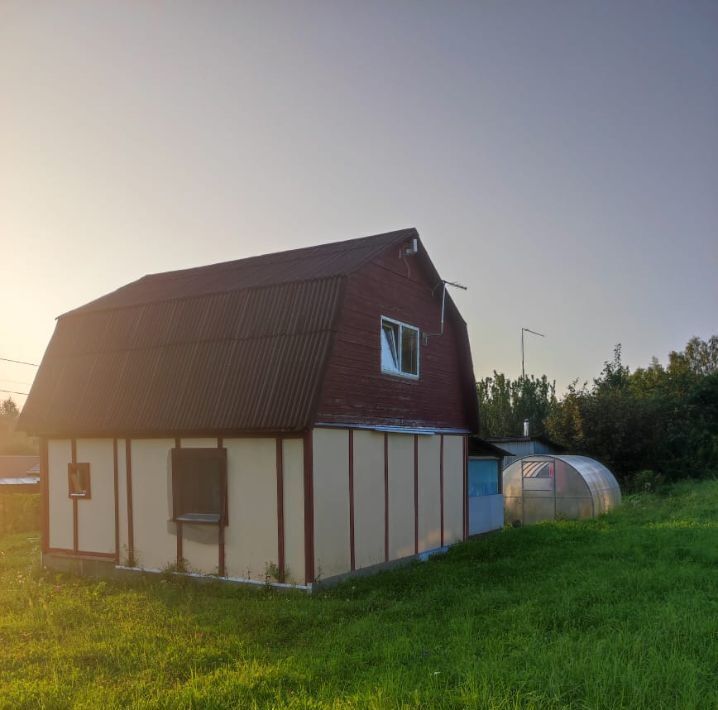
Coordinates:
(19, 512)
(659, 419)
(648, 481)
(663, 420)
(12, 441)
(617, 612)
(504, 403)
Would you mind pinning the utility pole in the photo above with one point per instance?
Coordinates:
(526, 330)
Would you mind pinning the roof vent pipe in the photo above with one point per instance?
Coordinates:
(526, 429)
(412, 248)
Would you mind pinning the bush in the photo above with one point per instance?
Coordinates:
(19, 512)
(646, 481)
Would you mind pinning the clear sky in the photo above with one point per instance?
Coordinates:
(558, 158)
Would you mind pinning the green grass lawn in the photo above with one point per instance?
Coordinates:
(620, 612)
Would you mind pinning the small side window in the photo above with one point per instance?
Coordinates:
(78, 480)
(399, 348)
(199, 485)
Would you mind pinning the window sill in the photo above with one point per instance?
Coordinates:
(401, 375)
(198, 518)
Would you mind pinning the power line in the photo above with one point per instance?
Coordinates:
(18, 362)
(25, 394)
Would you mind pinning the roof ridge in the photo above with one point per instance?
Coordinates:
(232, 263)
(315, 263)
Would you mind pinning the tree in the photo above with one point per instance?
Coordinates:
(505, 403)
(699, 356)
(9, 409)
(661, 420)
(12, 441)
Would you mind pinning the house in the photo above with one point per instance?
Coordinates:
(296, 416)
(19, 474)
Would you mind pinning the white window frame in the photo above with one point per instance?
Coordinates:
(402, 325)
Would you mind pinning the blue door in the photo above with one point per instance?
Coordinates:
(486, 503)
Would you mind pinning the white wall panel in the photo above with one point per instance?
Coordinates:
(155, 540)
(294, 510)
(59, 454)
(401, 495)
(331, 502)
(453, 489)
(251, 537)
(429, 492)
(96, 515)
(368, 498)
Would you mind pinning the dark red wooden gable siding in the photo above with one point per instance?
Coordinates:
(356, 392)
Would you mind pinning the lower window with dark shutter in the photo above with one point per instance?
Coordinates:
(199, 485)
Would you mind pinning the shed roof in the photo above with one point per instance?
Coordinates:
(17, 466)
(235, 346)
(20, 481)
(482, 447)
(508, 441)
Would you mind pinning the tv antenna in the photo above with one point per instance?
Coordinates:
(533, 332)
(443, 285)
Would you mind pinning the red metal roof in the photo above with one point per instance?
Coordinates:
(234, 347)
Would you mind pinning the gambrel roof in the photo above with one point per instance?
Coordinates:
(239, 346)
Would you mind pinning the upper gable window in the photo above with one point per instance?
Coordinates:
(399, 348)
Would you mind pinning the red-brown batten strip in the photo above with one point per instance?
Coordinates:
(465, 487)
(308, 508)
(179, 532)
(180, 545)
(75, 532)
(352, 554)
(221, 562)
(416, 494)
(130, 512)
(441, 485)
(116, 488)
(221, 566)
(280, 508)
(386, 496)
(45, 494)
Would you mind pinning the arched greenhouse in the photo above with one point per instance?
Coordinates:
(558, 486)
